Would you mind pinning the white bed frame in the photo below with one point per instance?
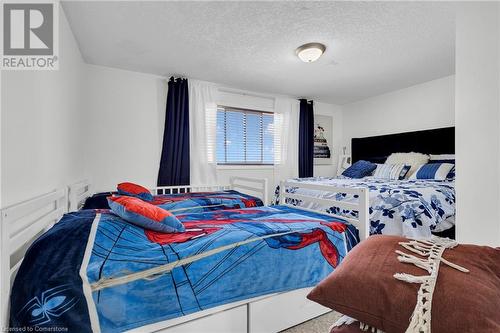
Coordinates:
(80, 191)
(22, 223)
(361, 206)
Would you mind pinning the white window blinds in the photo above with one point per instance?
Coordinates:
(245, 136)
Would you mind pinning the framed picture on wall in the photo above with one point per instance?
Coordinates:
(323, 139)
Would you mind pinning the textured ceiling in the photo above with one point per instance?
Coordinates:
(372, 47)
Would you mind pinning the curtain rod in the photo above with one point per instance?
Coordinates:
(246, 93)
(262, 95)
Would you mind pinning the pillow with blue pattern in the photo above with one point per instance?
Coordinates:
(359, 169)
(436, 171)
(144, 214)
(445, 158)
(391, 171)
(134, 190)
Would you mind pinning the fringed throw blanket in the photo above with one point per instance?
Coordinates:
(430, 255)
(432, 252)
(346, 320)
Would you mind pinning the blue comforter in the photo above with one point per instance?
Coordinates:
(94, 270)
(410, 208)
(198, 202)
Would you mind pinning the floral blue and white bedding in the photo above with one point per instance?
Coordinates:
(411, 208)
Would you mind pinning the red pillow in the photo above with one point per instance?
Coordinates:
(134, 190)
(145, 215)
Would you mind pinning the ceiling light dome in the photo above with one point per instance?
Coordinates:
(310, 52)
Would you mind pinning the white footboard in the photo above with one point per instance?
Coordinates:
(252, 186)
(77, 194)
(361, 205)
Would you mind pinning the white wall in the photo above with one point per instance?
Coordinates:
(125, 112)
(424, 106)
(478, 123)
(42, 117)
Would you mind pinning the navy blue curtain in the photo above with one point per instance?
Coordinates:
(306, 138)
(174, 163)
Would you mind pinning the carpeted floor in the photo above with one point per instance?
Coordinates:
(320, 324)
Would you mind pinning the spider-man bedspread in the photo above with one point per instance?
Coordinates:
(198, 202)
(94, 270)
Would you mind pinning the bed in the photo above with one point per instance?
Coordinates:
(241, 192)
(409, 208)
(220, 250)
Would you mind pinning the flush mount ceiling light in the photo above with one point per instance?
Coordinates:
(310, 52)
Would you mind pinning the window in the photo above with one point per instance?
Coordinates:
(244, 136)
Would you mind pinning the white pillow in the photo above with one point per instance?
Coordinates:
(442, 157)
(412, 159)
(436, 171)
(391, 171)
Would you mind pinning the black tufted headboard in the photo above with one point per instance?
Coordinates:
(377, 148)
